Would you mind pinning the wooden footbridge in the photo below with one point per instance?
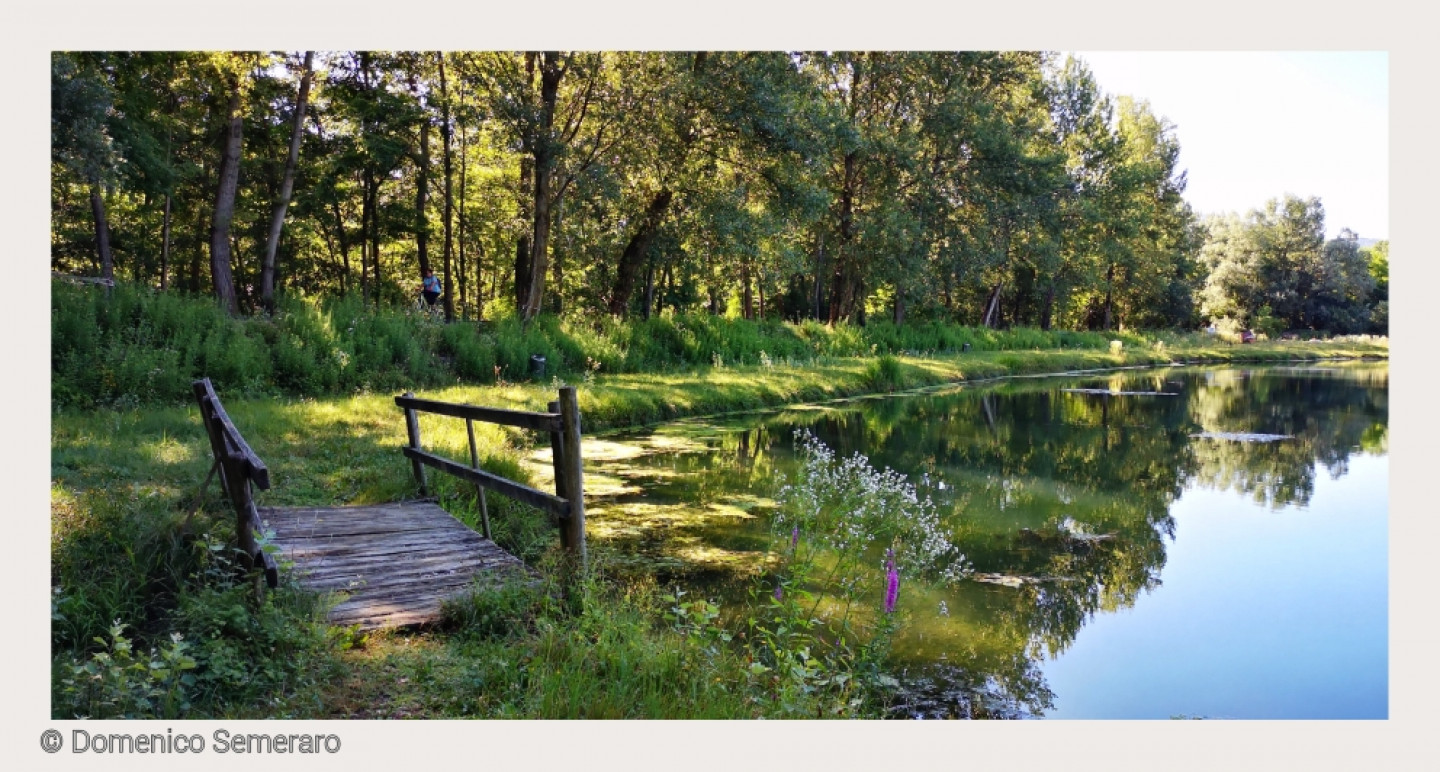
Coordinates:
(393, 565)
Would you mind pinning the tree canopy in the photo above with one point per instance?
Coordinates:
(987, 188)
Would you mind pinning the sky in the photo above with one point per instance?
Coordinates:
(1257, 125)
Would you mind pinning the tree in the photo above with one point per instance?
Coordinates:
(277, 220)
(80, 104)
(1276, 263)
(1378, 256)
(224, 211)
(998, 188)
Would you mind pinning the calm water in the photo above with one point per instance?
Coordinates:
(1241, 573)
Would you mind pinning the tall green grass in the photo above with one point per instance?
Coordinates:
(137, 346)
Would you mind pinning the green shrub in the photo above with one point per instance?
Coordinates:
(884, 374)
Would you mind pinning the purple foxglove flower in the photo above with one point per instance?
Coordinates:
(892, 586)
(779, 592)
(794, 537)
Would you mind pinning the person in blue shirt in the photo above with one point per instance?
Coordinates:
(430, 287)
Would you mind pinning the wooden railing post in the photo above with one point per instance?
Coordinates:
(479, 489)
(570, 474)
(412, 428)
(557, 461)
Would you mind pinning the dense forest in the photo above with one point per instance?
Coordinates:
(994, 189)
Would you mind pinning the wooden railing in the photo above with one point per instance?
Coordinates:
(239, 469)
(562, 423)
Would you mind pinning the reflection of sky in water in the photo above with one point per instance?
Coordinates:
(1262, 614)
(1231, 578)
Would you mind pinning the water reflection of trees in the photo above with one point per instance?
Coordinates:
(1062, 498)
(1329, 414)
(1067, 496)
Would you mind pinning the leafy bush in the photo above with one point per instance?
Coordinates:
(119, 682)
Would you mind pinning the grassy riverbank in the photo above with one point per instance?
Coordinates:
(125, 550)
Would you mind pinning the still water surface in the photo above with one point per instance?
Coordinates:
(1206, 542)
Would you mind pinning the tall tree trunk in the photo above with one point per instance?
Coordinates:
(669, 290)
(557, 263)
(711, 288)
(287, 187)
(899, 315)
(636, 250)
(422, 196)
(344, 246)
(197, 239)
(447, 256)
(747, 295)
(649, 292)
(366, 209)
(102, 232)
(1046, 315)
(843, 292)
(992, 306)
(375, 284)
(543, 150)
(1109, 291)
(165, 248)
(819, 272)
(522, 244)
(460, 228)
(220, 274)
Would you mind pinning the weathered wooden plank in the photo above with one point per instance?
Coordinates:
(374, 544)
(377, 585)
(366, 515)
(538, 499)
(345, 529)
(362, 553)
(405, 607)
(387, 565)
(340, 520)
(393, 590)
(390, 565)
(409, 530)
(542, 422)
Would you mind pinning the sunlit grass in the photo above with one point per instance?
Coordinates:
(124, 480)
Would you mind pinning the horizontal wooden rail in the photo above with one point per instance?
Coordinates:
(562, 424)
(239, 469)
(555, 505)
(233, 446)
(540, 422)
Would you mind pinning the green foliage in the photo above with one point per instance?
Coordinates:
(139, 346)
(125, 479)
(222, 649)
(884, 374)
(507, 610)
(119, 682)
(1277, 259)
